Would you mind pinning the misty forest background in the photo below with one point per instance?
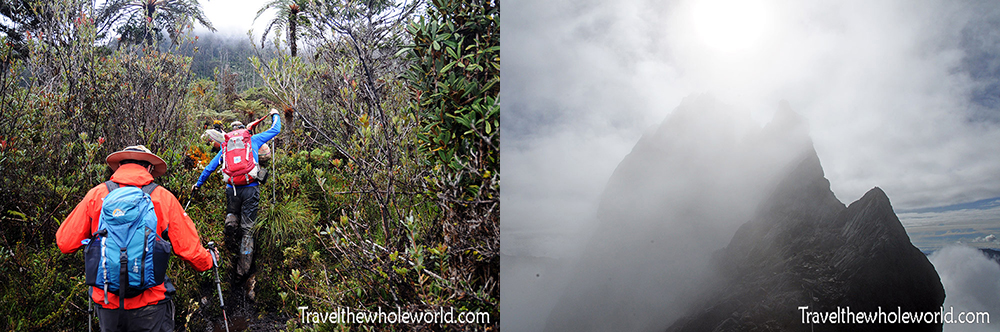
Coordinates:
(385, 183)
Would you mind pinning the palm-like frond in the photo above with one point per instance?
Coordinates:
(279, 19)
(290, 15)
(159, 15)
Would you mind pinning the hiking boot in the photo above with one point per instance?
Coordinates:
(250, 287)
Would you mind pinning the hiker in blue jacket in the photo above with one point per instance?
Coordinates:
(242, 194)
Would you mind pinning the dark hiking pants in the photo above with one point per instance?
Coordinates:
(152, 318)
(243, 204)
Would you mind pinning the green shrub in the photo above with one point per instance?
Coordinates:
(455, 79)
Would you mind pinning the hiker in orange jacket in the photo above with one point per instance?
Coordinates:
(136, 166)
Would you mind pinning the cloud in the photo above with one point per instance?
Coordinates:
(985, 239)
(234, 17)
(971, 216)
(888, 88)
(971, 283)
(554, 186)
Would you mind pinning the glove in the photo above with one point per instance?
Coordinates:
(274, 111)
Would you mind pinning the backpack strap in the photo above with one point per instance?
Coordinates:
(122, 285)
(148, 189)
(111, 185)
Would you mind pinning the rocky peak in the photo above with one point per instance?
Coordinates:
(804, 247)
(872, 215)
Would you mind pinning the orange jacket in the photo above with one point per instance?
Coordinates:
(82, 222)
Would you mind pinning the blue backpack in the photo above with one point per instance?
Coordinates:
(126, 255)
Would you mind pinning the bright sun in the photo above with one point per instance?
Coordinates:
(730, 25)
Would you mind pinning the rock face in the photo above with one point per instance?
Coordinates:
(805, 248)
(679, 196)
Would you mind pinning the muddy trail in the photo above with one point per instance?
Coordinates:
(239, 309)
(239, 294)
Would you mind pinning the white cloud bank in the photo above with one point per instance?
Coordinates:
(971, 284)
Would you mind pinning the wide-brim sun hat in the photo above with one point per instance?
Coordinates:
(138, 152)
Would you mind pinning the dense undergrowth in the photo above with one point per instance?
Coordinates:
(384, 190)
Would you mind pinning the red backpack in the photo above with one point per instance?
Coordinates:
(238, 164)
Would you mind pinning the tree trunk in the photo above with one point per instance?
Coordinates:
(150, 10)
(292, 26)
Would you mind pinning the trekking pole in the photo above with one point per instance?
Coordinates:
(218, 284)
(189, 200)
(90, 314)
(274, 163)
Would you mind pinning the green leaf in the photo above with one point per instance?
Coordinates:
(17, 214)
(447, 67)
(464, 121)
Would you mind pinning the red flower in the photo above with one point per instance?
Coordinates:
(100, 140)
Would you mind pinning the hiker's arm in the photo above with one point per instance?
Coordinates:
(212, 166)
(183, 235)
(267, 135)
(77, 225)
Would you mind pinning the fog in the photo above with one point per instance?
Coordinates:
(675, 199)
(898, 94)
(972, 282)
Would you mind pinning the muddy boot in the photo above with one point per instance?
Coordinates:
(250, 287)
(246, 253)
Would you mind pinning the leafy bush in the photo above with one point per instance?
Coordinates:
(63, 109)
(455, 77)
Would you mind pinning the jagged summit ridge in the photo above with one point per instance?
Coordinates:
(805, 248)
